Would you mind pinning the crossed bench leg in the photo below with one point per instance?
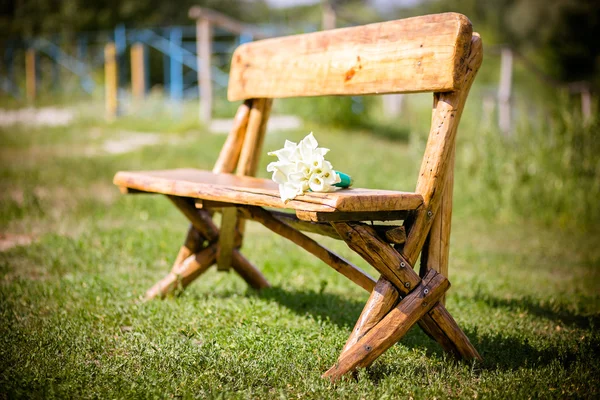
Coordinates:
(384, 320)
(398, 300)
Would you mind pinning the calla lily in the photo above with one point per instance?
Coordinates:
(302, 167)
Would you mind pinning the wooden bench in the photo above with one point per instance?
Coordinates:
(434, 53)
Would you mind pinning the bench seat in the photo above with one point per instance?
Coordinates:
(228, 188)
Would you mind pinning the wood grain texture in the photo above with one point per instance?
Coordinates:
(435, 166)
(193, 244)
(184, 273)
(410, 55)
(230, 152)
(391, 233)
(392, 327)
(200, 219)
(439, 324)
(226, 238)
(317, 216)
(383, 297)
(342, 266)
(384, 258)
(255, 134)
(200, 184)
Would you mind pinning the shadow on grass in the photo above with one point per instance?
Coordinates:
(317, 304)
(552, 312)
(499, 351)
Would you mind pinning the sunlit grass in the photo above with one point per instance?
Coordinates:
(72, 323)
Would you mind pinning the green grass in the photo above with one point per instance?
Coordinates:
(72, 324)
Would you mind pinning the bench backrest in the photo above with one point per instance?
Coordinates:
(421, 54)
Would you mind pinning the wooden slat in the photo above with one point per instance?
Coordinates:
(411, 55)
(262, 192)
(316, 216)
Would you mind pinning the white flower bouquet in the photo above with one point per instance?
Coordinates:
(302, 167)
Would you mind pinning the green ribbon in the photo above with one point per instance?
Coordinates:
(346, 180)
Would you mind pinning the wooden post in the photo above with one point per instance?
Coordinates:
(204, 50)
(329, 18)
(30, 75)
(111, 80)
(138, 73)
(586, 104)
(504, 91)
(392, 104)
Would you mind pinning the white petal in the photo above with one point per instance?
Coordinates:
(316, 184)
(279, 177)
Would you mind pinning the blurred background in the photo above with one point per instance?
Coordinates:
(528, 141)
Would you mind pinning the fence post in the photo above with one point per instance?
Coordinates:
(504, 91)
(586, 104)
(111, 80)
(30, 75)
(329, 17)
(204, 51)
(138, 72)
(175, 69)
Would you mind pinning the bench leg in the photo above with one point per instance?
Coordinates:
(383, 297)
(392, 327)
(420, 304)
(184, 273)
(192, 260)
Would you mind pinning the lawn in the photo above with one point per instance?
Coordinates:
(72, 323)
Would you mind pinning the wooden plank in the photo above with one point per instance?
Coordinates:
(342, 266)
(392, 327)
(448, 109)
(382, 299)
(262, 192)
(316, 216)
(410, 55)
(392, 233)
(364, 240)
